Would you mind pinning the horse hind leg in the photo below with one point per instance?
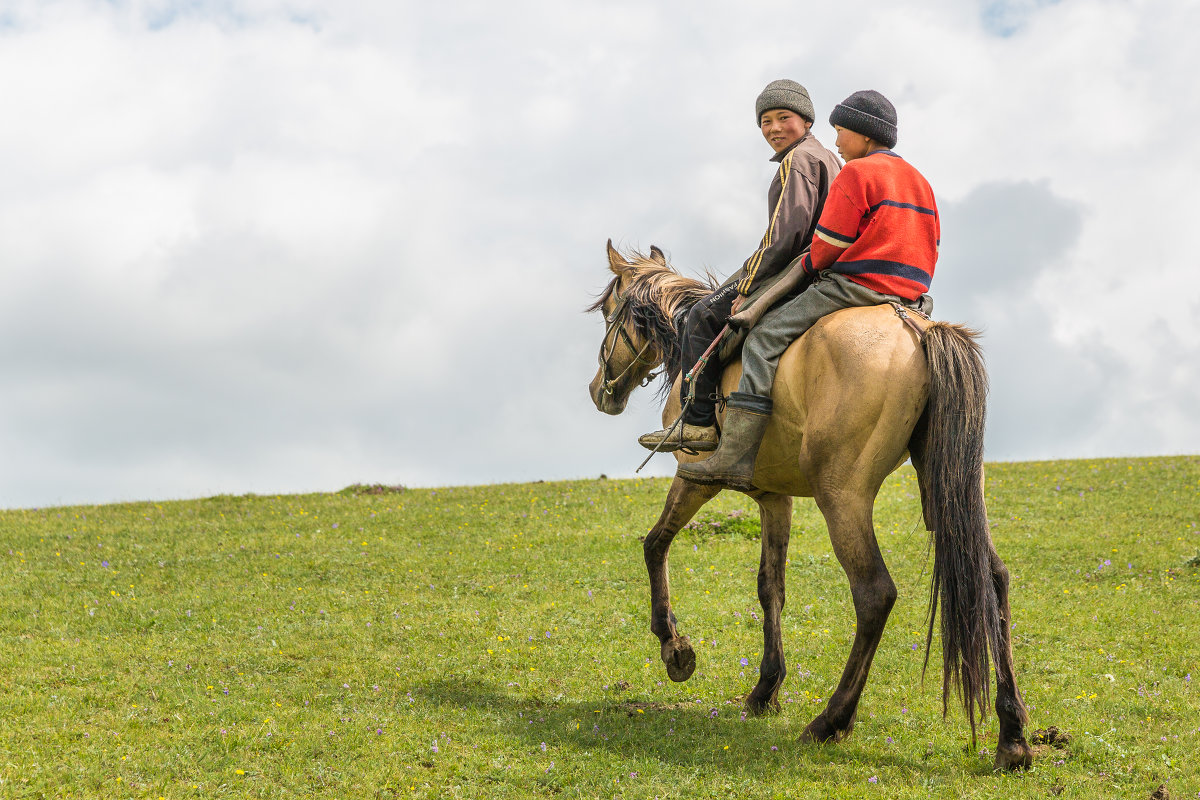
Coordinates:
(853, 538)
(776, 513)
(684, 499)
(1012, 751)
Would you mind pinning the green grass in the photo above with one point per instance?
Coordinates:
(493, 642)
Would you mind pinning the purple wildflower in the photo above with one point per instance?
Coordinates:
(873, 779)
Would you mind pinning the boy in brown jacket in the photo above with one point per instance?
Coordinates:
(784, 114)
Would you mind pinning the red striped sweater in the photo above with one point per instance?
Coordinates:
(879, 227)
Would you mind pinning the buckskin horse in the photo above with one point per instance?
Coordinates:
(854, 398)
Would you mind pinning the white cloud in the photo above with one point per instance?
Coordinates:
(268, 245)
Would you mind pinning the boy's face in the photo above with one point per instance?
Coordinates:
(782, 128)
(851, 145)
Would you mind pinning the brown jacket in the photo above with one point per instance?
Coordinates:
(794, 204)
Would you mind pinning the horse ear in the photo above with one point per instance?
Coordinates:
(657, 256)
(615, 262)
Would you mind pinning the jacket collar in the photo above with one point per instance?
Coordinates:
(783, 153)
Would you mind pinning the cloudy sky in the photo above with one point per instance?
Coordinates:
(289, 245)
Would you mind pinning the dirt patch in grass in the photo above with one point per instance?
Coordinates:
(1046, 740)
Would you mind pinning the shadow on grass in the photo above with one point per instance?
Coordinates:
(683, 734)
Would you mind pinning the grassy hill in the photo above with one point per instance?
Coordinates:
(493, 642)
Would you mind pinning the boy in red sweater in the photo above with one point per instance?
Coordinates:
(876, 241)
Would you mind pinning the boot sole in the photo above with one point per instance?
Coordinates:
(672, 446)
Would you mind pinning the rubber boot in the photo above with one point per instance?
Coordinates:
(746, 417)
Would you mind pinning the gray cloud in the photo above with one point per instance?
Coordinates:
(1051, 397)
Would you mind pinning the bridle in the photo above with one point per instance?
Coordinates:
(615, 322)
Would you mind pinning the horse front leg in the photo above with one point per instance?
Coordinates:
(1012, 751)
(848, 516)
(683, 501)
(776, 514)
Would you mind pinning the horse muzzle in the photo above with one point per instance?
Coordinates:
(606, 397)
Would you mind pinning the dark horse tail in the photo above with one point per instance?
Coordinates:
(947, 450)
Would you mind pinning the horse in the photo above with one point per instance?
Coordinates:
(855, 397)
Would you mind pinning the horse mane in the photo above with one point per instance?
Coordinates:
(657, 294)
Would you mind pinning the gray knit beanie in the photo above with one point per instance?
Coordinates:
(869, 113)
(784, 94)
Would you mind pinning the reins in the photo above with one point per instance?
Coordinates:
(614, 322)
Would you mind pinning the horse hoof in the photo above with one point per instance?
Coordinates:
(820, 731)
(757, 707)
(1013, 756)
(763, 699)
(679, 658)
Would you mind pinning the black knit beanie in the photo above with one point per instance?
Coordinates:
(784, 94)
(869, 113)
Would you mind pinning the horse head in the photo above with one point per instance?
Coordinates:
(627, 355)
(639, 305)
